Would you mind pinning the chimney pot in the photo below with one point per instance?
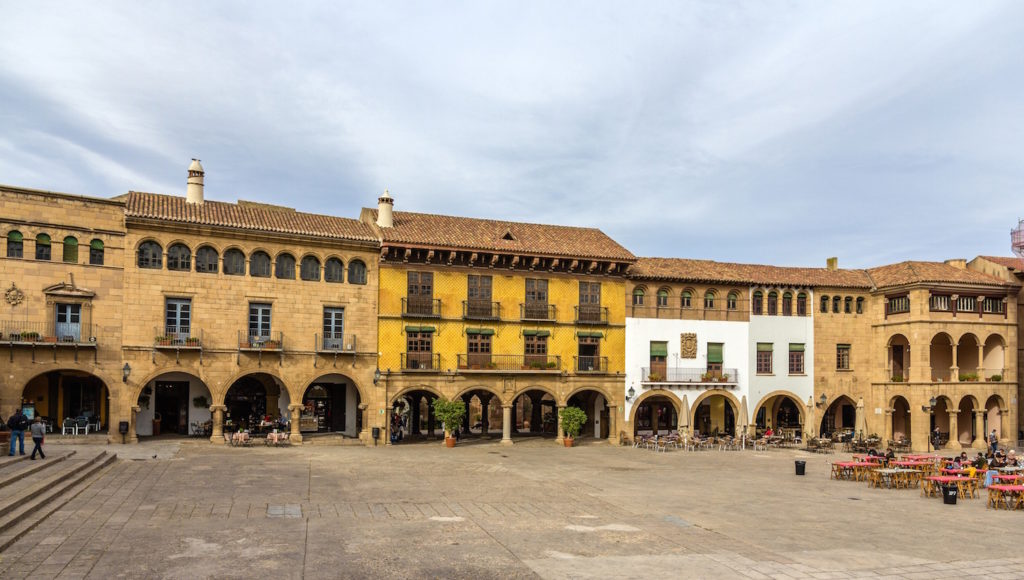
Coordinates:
(194, 187)
(832, 263)
(385, 207)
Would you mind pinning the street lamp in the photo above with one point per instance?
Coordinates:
(376, 376)
(125, 371)
(631, 393)
(822, 400)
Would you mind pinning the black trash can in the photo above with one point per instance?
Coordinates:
(949, 493)
(800, 466)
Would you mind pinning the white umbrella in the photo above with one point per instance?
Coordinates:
(743, 423)
(684, 419)
(809, 420)
(861, 423)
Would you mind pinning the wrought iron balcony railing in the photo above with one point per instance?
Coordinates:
(270, 341)
(684, 375)
(335, 342)
(421, 361)
(178, 337)
(421, 307)
(510, 362)
(481, 310)
(591, 364)
(538, 311)
(590, 314)
(47, 333)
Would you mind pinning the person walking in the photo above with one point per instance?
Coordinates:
(17, 423)
(993, 441)
(38, 431)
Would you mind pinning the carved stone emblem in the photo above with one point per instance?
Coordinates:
(14, 296)
(688, 345)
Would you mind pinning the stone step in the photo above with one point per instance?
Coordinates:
(8, 461)
(28, 468)
(330, 439)
(35, 502)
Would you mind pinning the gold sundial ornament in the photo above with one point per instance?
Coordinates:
(13, 295)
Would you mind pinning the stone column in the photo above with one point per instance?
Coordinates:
(558, 429)
(954, 371)
(954, 431)
(888, 425)
(536, 418)
(979, 429)
(485, 411)
(981, 361)
(387, 425)
(295, 410)
(133, 436)
(217, 435)
(613, 432)
(506, 424)
(362, 409)
(515, 414)
(1004, 427)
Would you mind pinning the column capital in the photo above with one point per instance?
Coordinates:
(294, 406)
(215, 408)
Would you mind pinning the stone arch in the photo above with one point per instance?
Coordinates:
(181, 385)
(597, 405)
(835, 417)
(565, 400)
(965, 420)
(222, 389)
(993, 356)
(533, 422)
(675, 400)
(901, 418)
(993, 417)
(731, 400)
(940, 356)
(329, 405)
(491, 390)
(407, 390)
(800, 407)
(135, 388)
(40, 386)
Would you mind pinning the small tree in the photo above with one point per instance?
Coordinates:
(450, 413)
(573, 419)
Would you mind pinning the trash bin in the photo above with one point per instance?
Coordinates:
(800, 466)
(949, 493)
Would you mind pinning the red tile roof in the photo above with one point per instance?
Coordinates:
(912, 272)
(683, 269)
(244, 215)
(1010, 262)
(490, 235)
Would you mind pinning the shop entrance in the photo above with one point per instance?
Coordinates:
(323, 409)
(172, 406)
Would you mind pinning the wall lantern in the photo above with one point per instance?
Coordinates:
(125, 372)
(822, 400)
(376, 376)
(630, 394)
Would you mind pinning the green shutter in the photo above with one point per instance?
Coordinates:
(590, 334)
(794, 347)
(15, 237)
(412, 329)
(427, 329)
(483, 331)
(543, 333)
(70, 241)
(714, 352)
(96, 244)
(43, 239)
(530, 332)
(659, 349)
(764, 347)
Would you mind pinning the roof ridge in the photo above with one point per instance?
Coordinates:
(500, 221)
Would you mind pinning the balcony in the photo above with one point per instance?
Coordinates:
(725, 378)
(273, 341)
(589, 314)
(421, 361)
(534, 363)
(177, 337)
(671, 313)
(42, 334)
(537, 312)
(481, 310)
(591, 364)
(421, 307)
(334, 343)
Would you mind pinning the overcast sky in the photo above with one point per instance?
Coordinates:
(770, 132)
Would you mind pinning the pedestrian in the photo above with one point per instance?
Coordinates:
(17, 423)
(993, 441)
(38, 431)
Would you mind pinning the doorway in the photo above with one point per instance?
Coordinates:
(172, 406)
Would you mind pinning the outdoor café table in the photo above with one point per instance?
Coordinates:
(843, 470)
(919, 457)
(240, 438)
(1005, 478)
(1010, 469)
(895, 478)
(966, 472)
(275, 438)
(1005, 496)
(863, 457)
(964, 485)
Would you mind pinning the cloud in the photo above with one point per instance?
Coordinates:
(776, 132)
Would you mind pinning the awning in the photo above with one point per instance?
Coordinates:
(794, 347)
(536, 333)
(764, 347)
(587, 334)
(420, 329)
(659, 349)
(715, 352)
(483, 331)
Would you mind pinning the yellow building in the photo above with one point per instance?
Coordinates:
(516, 319)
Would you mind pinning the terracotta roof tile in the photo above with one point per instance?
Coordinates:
(683, 269)
(243, 215)
(1008, 261)
(489, 235)
(912, 272)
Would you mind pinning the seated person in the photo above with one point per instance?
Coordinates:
(997, 461)
(980, 462)
(768, 432)
(889, 455)
(872, 453)
(963, 462)
(1011, 459)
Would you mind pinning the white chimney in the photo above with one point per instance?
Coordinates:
(385, 207)
(194, 192)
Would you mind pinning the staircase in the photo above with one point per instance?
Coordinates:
(32, 490)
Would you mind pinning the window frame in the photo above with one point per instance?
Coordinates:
(773, 303)
(801, 304)
(757, 303)
(763, 361)
(638, 296)
(305, 270)
(226, 260)
(96, 254)
(787, 304)
(265, 267)
(731, 300)
(662, 298)
(335, 264)
(709, 300)
(44, 251)
(843, 357)
(357, 270)
(15, 247)
(69, 250)
(153, 261)
(282, 266)
(177, 263)
(796, 360)
(208, 266)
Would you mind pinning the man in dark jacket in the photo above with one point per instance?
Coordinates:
(18, 422)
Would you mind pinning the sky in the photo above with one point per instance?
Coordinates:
(779, 132)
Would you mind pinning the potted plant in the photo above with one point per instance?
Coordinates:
(200, 402)
(450, 414)
(725, 378)
(573, 419)
(897, 379)
(163, 341)
(491, 366)
(30, 336)
(272, 344)
(192, 341)
(52, 339)
(654, 377)
(996, 378)
(550, 364)
(537, 365)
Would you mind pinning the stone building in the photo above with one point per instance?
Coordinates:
(516, 319)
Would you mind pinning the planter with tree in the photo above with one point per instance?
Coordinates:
(573, 419)
(450, 414)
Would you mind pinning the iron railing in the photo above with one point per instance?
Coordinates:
(668, 312)
(421, 361)
(421, 307)
(591, 314)
(177, 337)
(537, 311)
(684, 375)
(334, 342)
(47, 333)
(481, 310)
(591, 364)
(248, 340)
(510, 362)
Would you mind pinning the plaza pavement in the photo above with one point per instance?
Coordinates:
(488, 511)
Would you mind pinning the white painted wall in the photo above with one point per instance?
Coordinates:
(640, 332)
(144, 420)
(781, 331)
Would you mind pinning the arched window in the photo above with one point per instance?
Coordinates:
(848, 305)
(835, 304)
(787, 304)
(42, 247)
(14, 244)
(71, 249)
(801, 304)
(773, 303)
(824, 304)
(179, 257)
(284, 267)
(259, 265)
(150, 255)
(860, 305)
(206, 260)
(310, 269)
(96, 252)
(334, 270)
(234, 262)
(757, 302)
(663, 299)
(356, 272)
(731, 300)
(709, 299)
(638, 297)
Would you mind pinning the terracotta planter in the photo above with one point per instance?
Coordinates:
(449, 442)
(568, 441)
